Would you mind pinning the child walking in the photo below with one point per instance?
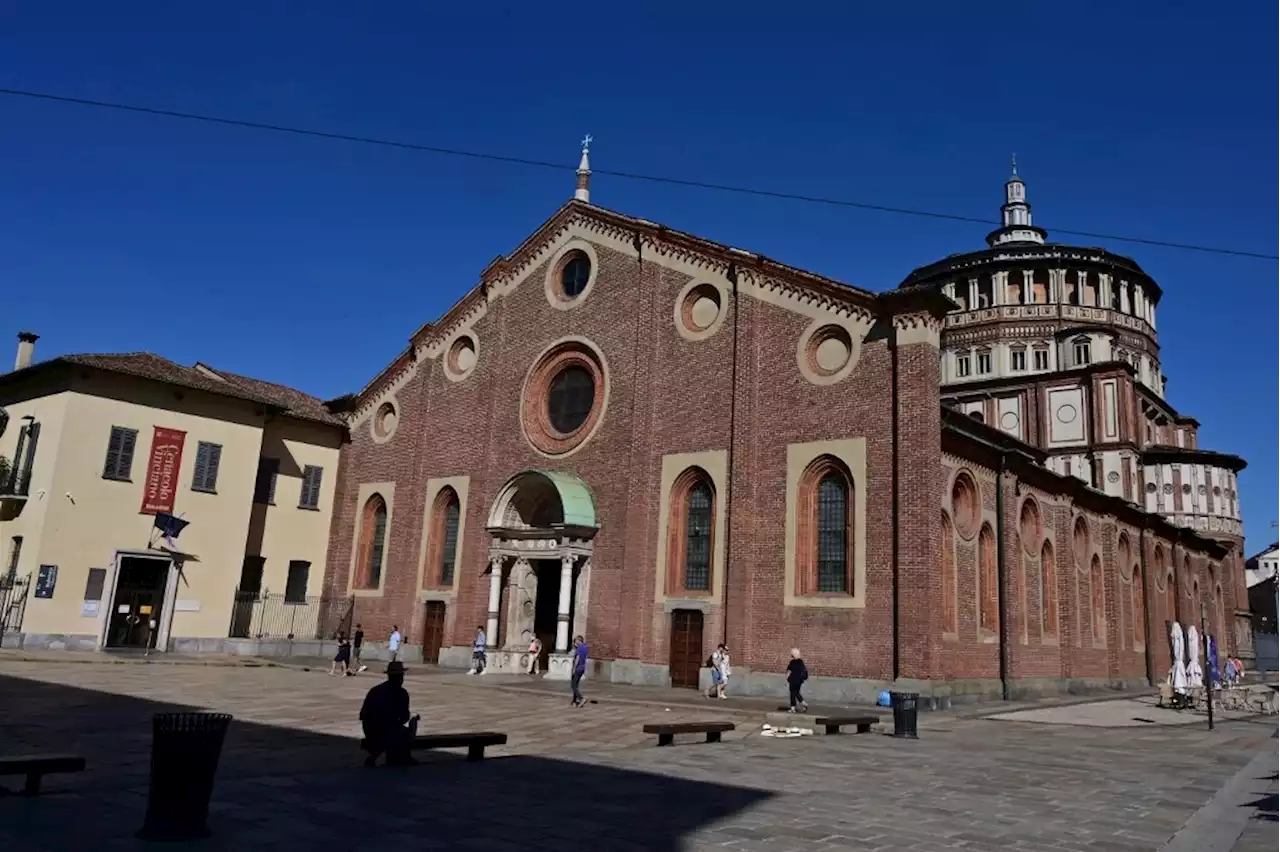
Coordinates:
(797, 674)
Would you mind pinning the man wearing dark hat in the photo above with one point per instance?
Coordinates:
(385, 718)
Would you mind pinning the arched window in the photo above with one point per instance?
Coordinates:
(949, 613)
(690, 533)
(1098, 598)
(824, 546)
(697, 553)
(1139, 610)
(446, 516)
(1048, 591)
(373, 537)
(988, 594)
(1081, 352)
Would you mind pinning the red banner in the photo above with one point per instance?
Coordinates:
(161, 484)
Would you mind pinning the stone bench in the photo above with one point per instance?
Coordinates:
(667, 733)
(35, 767)
(475, 743)
(832, 724)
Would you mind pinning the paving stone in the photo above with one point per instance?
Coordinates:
(291, 777)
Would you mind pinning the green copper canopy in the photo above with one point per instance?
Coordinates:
(575, 498)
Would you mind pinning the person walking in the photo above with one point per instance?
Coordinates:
(341, 660)
(579, 669)
(357, 643)
(719, 672)
(393, 643)
(535, 655)
(477, 652)
(797, 674)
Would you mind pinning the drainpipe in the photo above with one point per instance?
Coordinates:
(1001, 576)
(893, 491)
(732, 274)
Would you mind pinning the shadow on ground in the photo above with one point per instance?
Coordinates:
(287, 789)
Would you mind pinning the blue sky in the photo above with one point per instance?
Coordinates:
(310, 262)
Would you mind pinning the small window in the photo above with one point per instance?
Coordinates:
(1081, 351)
(95, 585)
(984, 362)
(15, 553)
(1041, 358)
(119, 463)
(963, 366)
(373, 540)
(575, 275)
(251, 576)
(264, 489)
(295, 586)
(312, 475)
(1017, 360)
(208, 457)
(19, 481)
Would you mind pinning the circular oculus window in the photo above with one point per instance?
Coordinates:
(571, 274)
(563, 398)
(461, 358)
(384, 421)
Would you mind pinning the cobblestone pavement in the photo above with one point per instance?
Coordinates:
(291, 777)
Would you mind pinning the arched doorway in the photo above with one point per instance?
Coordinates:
(541, 527)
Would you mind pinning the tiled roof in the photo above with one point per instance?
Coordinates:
(146, 365)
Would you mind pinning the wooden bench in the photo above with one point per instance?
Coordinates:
(475, 744)
(36, 767)
(833, 724)
(666, 733)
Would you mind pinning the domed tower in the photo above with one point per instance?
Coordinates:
(1056, 345)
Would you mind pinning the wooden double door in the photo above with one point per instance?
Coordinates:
(433, 631)
(686, 648)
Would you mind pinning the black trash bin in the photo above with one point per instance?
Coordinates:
(185, 748)
(905, 709)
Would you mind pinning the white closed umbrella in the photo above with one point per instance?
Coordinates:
(1195, 673)
(1177, 674)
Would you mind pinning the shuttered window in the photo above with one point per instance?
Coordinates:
(295, 586)
(264, 489)
(119, 463)
(311, 478)
(208, 457)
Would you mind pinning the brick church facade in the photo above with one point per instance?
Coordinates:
(660, 443)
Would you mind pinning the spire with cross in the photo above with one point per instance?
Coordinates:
(583, 190)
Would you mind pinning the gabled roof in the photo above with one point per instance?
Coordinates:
(649, 236)
(147, 365)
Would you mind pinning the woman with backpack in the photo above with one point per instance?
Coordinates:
(797, 674)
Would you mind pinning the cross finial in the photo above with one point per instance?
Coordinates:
(1014, 158)
(586, 143)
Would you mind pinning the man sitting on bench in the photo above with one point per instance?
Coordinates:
(386, 721)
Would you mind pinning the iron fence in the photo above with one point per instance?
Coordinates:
(13, 602)
(279, 616)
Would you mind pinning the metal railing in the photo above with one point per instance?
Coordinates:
(13, 602)
(277, 616)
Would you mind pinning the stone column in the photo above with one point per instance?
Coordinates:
(562, 611)
(1028, 276)
(973, 294)
(579, 623)
(495, 599)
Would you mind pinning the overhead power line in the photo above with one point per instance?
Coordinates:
(660, 179)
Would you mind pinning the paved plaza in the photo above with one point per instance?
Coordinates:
(291, 776)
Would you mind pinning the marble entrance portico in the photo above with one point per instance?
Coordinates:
(544, 517)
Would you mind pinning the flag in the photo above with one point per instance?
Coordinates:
(169, 526)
